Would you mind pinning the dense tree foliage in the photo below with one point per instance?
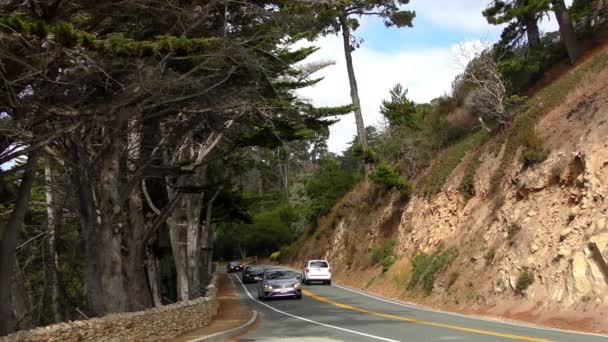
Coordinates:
(522, 17)
(144, 110)
(399, 110)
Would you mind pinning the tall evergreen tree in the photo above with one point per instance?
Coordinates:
(566, 29)
(124, 97)
(399, 109)
(522, 17)
(524, 14)
(342, 17)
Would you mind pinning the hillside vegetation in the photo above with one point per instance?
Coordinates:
(498, 222)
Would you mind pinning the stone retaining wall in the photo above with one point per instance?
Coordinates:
(148, 325)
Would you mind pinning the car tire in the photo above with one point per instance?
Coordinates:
(299, 297)
(329, 282)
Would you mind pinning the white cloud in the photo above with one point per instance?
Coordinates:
(462, 14)
(466, 15)
(427, 73)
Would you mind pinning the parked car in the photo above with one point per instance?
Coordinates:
(234, 266)
(316, 270)
(252, 274)
(280, 283)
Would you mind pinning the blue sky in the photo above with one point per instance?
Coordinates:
(422, 58)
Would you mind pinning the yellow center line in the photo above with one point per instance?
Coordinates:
(413, 320)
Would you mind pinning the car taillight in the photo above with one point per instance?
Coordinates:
(307, 270)
(329, 270)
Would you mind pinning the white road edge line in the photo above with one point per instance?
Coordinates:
(411, 306)
(310, 320)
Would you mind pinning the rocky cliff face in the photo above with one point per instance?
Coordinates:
(550, 219)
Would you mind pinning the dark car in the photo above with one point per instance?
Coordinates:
(252, 274)
(234, 266)
(280, 283)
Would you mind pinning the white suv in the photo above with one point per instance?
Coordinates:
(316, 270)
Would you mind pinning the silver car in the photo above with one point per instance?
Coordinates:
(280, 283)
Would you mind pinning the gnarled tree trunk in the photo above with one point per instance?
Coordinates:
(178, 234)
(139, 290)
(113, 222)
(153, 269)
(532, 32)
(21, 303)
(8, 240)
(57, 297)
(207, 241)
(194, 207)
(566, 30)
(101, 220)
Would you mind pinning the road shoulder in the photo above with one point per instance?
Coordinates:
(232, 313)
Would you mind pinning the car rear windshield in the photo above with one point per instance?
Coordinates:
(319, 264)
(234, 263)
(254, 269)
(281, 275)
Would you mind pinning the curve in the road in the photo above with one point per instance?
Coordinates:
(443, 312)
(312, 321)
(413, 320)
(338, 313)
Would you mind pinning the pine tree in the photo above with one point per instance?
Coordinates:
(342, 17)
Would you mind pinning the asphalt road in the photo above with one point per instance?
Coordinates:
(335, 313)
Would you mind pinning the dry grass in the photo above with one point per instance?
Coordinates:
(546, 101)
(461, 117)
(590, 84)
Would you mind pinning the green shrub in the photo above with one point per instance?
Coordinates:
(369, 157)
(437, 266)
(386, 176)
(427, 267)
(467, 184)
(326, 186)
(524, 280)
(447, 161)
(286, 252)
(379, 253)
(534, 149)
(387, 262)
(522, 70)
(420, 262)
(275, 256)
(531, 157)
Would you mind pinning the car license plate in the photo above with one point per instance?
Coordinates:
(257, 278)
(284, 290)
